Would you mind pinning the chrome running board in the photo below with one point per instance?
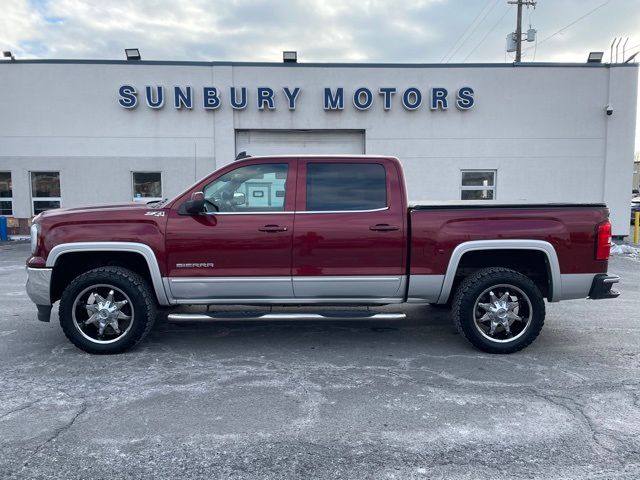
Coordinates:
(252, 316)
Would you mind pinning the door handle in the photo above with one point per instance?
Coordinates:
(273, 228)
(384, 227)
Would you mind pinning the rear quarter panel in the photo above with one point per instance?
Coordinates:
(571, 230)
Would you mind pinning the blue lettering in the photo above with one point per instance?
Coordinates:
(357, 98)
(128, 97)
(158, 102)
(408, 102)
(291, 96)
(265, 95)
(439, 98)
(334, 102)
(238, 105)
(182, 98)
(386, 93)
(210, 98)
(465, 98)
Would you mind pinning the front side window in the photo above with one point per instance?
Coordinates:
(478, 185)
(346, 186)
(147, 186)
(6, 194)
(45, 191)
(254, 188)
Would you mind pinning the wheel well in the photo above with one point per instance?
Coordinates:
(72, 264)
(532, 263)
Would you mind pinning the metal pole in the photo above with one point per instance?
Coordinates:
(519, 32)
(636, 228)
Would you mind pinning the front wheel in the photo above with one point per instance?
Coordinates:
(498, 310)
(107, 310)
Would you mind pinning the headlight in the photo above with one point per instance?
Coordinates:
(35, 238)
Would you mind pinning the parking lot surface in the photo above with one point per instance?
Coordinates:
(405, 399)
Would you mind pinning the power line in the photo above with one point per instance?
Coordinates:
(491, 4)
(635, 46)
(473, 30)
(569, 25)
(486, 35)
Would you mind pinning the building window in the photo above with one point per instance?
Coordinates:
(478, 185)
(45, 191)
(147, 186)
(6, 194)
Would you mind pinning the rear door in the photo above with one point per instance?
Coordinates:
(349, 233)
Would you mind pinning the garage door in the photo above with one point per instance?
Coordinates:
(294, 142)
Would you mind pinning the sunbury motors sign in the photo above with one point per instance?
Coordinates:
(267, 98)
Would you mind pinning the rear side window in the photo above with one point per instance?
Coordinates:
(346, 186)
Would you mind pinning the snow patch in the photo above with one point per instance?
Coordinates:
(625, 250)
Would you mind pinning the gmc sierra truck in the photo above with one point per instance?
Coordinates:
(314, 231)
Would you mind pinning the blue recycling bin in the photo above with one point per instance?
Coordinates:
(3, 229)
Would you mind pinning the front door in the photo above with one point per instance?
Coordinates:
(243, 250)
(349, 237)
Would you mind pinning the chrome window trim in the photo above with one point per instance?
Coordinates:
(297, 212)
(277, 212)
(475, 245)
(382, 209)
(141, 248)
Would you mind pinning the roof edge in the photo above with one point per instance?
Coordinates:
(312, 65)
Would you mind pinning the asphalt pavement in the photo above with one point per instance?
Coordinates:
(326, 400)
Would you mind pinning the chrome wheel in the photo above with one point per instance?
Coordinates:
(102, 313)
(502, 313)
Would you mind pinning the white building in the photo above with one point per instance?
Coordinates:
(86, 132)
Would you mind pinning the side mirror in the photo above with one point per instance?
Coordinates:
(239, 198)
(196, 204)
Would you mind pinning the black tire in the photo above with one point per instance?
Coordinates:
(141, 310)
(440, 306)
(475, 286)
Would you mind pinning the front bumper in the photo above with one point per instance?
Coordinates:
(601, 286)
(39, 288)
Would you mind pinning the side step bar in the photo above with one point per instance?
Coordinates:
(254, 316)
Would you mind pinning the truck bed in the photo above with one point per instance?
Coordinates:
(437, 228)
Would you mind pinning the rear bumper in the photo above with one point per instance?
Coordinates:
(601, 286)
(38, 288)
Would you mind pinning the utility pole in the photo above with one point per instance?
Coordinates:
(518, 35)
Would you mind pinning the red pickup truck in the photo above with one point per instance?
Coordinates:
(314, 230)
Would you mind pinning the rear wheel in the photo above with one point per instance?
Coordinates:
(107, 310)
(498, 310)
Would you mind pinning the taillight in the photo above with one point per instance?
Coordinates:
(603, 241)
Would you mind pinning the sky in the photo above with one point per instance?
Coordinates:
(416, 31)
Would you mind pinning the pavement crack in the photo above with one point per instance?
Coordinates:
(577, 409)
(20, 408)
(57, 433)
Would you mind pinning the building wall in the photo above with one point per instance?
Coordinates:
(541, 126)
